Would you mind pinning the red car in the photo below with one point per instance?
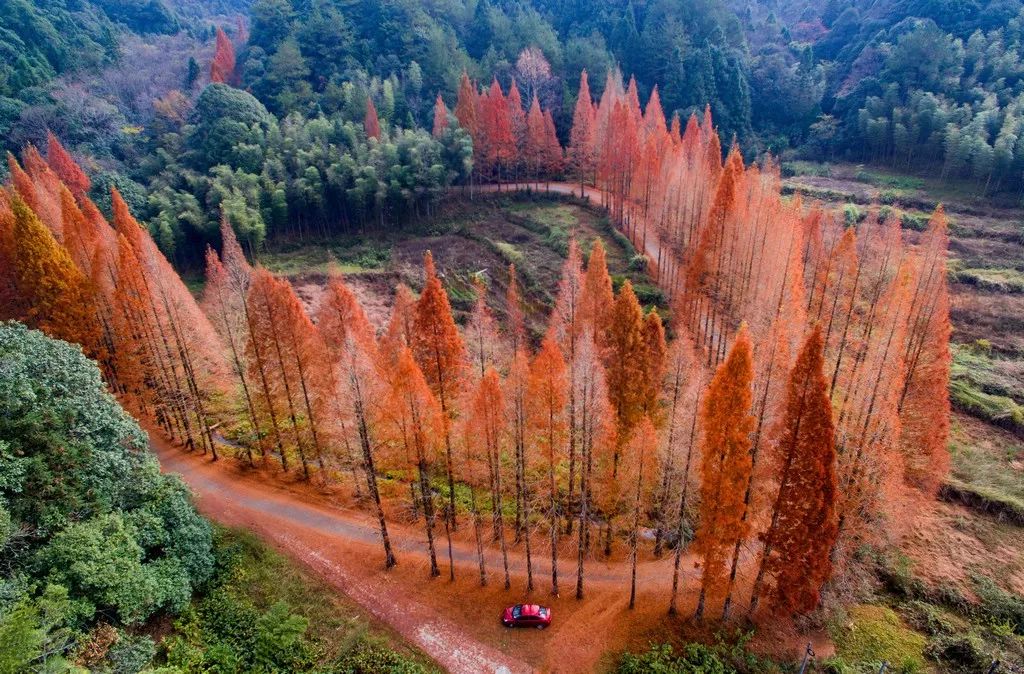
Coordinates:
(526, 615)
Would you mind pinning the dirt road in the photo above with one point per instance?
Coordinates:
(312, 534)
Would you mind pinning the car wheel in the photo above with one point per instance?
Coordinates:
(540, 627)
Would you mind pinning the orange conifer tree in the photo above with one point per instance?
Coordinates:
(441, 354)
(222, 69)
(440, 117)
(65, 167)
(725, 468)
(546, 400)
(798, 543)
(581, 138)
(371, 124)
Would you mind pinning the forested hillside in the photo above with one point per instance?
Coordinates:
(919, 86)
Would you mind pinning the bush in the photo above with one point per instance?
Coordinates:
(638, 263)
(131, 654)
(964, 652)
(661, 659)
(998, 605)
(369, 658)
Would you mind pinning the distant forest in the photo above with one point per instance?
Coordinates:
(918, 85)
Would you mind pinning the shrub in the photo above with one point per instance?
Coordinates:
(369, 658)
(998, 605)
(661, 659)
(964, 652)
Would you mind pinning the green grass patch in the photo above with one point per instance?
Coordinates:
(806, 168)
(891, 181)
(870, 634)
(1000, 280)
(979, 387)
(349, 255)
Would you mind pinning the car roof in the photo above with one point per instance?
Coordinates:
(530, 609)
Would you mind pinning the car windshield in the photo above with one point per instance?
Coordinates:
(517, 611)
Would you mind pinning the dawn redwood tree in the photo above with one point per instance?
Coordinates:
(516, 322)
(485, 434)
(440, 117)
(681, 384)
(400, 328)
(222, 69)
(626, 358)
(643, 445)
(371, 124)
(517, 124)
(237, 280)
(566, 327)
(924, 401)
(70, 173)
(535, 150)
(193, 349)
(725, 468)
(483, 342)
(57, 298)
(224, 310)
(269, 310)
(441, 355)
(416, 421)
(596, 433)
(517, 394)
(580, 153)
(546, 409)
(598, 295)
(554, 158)
(796, 557)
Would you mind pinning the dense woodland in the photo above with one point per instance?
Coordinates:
(920, 86)
(805, 388)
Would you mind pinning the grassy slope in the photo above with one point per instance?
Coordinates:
(468, 239)
(943, 592)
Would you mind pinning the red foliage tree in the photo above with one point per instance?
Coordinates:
(66, 167)
(725, 468)
(580, 154)
(440, 117)
(441, 354)
(798, 543)
(546, 412)
(222, 69)
(371, 125)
